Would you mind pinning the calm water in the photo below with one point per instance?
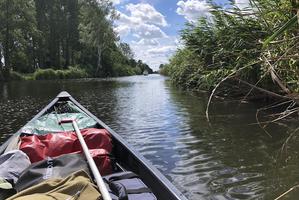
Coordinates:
(231, 159)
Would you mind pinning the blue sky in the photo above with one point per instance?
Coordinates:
(152, 27)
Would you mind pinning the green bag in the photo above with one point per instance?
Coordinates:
(49, 123)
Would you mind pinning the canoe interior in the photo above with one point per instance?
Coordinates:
(126, 157)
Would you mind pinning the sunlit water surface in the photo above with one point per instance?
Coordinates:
(231, 159)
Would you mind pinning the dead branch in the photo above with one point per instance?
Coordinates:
(276, 78)
(264, 90)
(224, 79)
(285, 193)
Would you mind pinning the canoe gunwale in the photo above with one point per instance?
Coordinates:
(149, 169)
(159, 176)
(39, 114)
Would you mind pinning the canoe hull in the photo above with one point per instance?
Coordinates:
(125, 155)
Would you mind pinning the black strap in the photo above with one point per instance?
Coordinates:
(138, 191)
(120, 190)
(127, 175)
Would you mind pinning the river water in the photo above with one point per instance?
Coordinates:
(232, 158)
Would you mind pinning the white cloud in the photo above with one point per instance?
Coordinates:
(162, 50)
(141, 26)
(123, 30)
(155, 51)
(148, 31)
(147, 42)
(193, 9)
(115, 2)
(143, 20)
(127, 20)
(146, 14)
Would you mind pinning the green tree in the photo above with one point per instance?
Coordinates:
(17, 34)
(126, 50)
(61, 34)
(96, 28)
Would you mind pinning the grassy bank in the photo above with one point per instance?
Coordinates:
(50, 74)
(229, 45)
(84, 37)
(71, 73)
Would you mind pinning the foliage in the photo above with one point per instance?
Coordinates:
(233, 38)
(123, 70)
(17, 33)
(96, 30)
(126, 50)
(37, 35)
(50, 74)
(164, 69)
(44, 74)
(286, 26)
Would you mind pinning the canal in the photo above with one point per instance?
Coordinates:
(232, 158)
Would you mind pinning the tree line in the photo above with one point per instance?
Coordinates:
(63, 35)
(233, 44)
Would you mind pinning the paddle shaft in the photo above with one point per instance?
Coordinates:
(92, 165)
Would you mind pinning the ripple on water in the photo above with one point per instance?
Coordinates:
(251, 190)
(228, 160)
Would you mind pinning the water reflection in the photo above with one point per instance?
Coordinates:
(228, 160)
(232, 159)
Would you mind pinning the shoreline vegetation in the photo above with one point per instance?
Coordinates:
(248, 53)
(70, 73)
(50, 74)
(62, 40)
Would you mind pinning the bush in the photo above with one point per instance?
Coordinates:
(137, 70)
(44, 74)
(123, 70)
(60, 74)
(50, 74)
(164, 71)
(75, 72)
(230, 43)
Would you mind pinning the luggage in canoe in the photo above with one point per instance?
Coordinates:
(48, 145)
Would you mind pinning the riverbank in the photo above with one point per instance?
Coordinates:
(229, 52)
(82, 43)
(232, 159)
(69, 73)
(50, 74)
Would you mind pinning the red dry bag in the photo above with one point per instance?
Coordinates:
(40, 147)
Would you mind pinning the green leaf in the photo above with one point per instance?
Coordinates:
(286, 26)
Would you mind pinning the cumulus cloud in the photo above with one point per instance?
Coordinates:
(146, 14)
(193, 9)
(147, 42)
(155, 51)
(142, 20)
(115, 2)
(141, 26)
(140, 31)
(148, 31)
(123, 30)
(162, 50)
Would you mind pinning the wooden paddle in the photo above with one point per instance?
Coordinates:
(91, 163)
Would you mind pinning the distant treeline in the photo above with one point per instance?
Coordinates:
(73, 35)
(231, 45)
